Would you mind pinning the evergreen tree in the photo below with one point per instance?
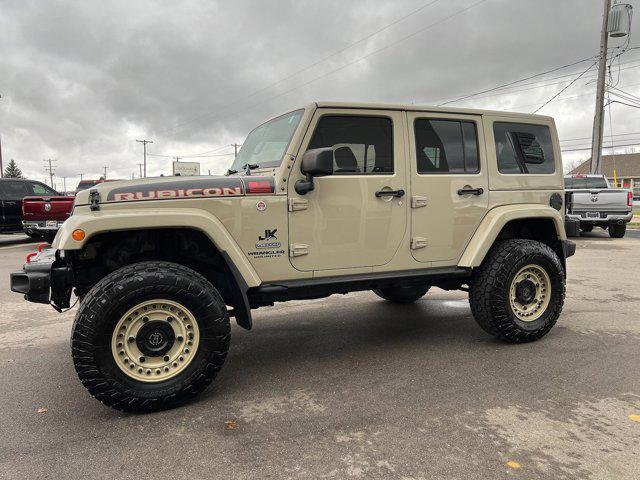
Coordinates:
(12, 170)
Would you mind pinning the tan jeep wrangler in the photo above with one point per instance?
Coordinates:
(331, 198)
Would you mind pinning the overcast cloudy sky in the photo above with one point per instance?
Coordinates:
(81, 80)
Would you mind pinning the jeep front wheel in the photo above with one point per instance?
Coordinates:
(150, 336)
(518, 292)
(402, 293)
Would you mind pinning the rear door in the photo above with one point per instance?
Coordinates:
(13, 193)
(449, 184)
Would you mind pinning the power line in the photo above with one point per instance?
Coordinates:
(608, 146)
(555, 69)
(564, 88)
(307, 68)
(359, 59)
(589, 138)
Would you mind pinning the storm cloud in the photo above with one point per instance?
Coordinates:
(81, 80)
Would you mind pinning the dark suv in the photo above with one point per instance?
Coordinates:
(12, 191)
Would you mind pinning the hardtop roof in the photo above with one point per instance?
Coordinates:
(425, 108)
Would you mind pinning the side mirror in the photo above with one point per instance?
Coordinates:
(315, 163)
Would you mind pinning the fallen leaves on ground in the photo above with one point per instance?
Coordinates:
(231, 425)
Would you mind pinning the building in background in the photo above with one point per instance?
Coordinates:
(627, 170)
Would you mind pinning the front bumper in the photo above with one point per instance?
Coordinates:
(603, 217)
(41, 225)
(44, 279)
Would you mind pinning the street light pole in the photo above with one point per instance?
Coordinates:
(598, 123)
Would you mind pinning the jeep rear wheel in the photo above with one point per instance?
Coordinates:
(617, 231)
(402, 293)
(518, 292)
(150, 336)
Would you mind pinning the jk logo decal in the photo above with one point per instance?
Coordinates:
(268, 235)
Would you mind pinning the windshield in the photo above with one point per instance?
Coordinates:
(266, 145)
(578, 183)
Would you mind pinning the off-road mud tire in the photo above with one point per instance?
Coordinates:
(489, 292)
(117, 293)
(403, 294)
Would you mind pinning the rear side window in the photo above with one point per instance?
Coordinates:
(15, 190)
(584, 182)
(523, 148)
(40, 189)
(361, 145)
(446, 146)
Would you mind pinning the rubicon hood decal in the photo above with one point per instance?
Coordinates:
(194, 188)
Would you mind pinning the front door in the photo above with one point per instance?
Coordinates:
(449, 184)
(356, 217)
(13, 191)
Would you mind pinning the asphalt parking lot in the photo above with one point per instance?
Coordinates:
(351, 386)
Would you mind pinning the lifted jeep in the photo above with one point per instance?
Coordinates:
(331, 198)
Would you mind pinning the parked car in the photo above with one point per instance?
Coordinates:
(327, 199)
(84, 184)
(12, 192)
(44, 215)
(591, 202)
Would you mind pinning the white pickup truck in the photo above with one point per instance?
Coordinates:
(592, 202)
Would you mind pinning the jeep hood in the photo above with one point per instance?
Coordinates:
(168, 188)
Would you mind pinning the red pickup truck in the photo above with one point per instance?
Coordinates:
(43, 215)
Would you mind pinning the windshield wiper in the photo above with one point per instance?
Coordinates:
(248, 167)
(231, 171)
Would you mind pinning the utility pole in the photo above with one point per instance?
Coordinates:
(105, 172)
(235, 149)
(140, 165)
(64, 184)
(598, 123)
(144, 149)
(1, 167)
(50, 169)
(81, 174)
(177, 159)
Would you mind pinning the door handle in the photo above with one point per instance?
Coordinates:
(390, 193)
(471, 191)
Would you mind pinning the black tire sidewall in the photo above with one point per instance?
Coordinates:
(403, 294)
(121, 291)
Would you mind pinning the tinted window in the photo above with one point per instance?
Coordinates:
(360, 144)
(13, 190)
(523, 148)
(446, 146)
(40, 189)
(584, 182)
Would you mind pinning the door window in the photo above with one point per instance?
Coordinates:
(15, 190)
(446, 146)
(361, 145)
(523, 148)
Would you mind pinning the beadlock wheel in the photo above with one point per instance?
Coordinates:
(530, 293)
(155, 340)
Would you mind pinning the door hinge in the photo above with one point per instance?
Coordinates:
(298, 249)
(296, 204)
(418, 201)
(418, 242)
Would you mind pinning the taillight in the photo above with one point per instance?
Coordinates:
(629, 198)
